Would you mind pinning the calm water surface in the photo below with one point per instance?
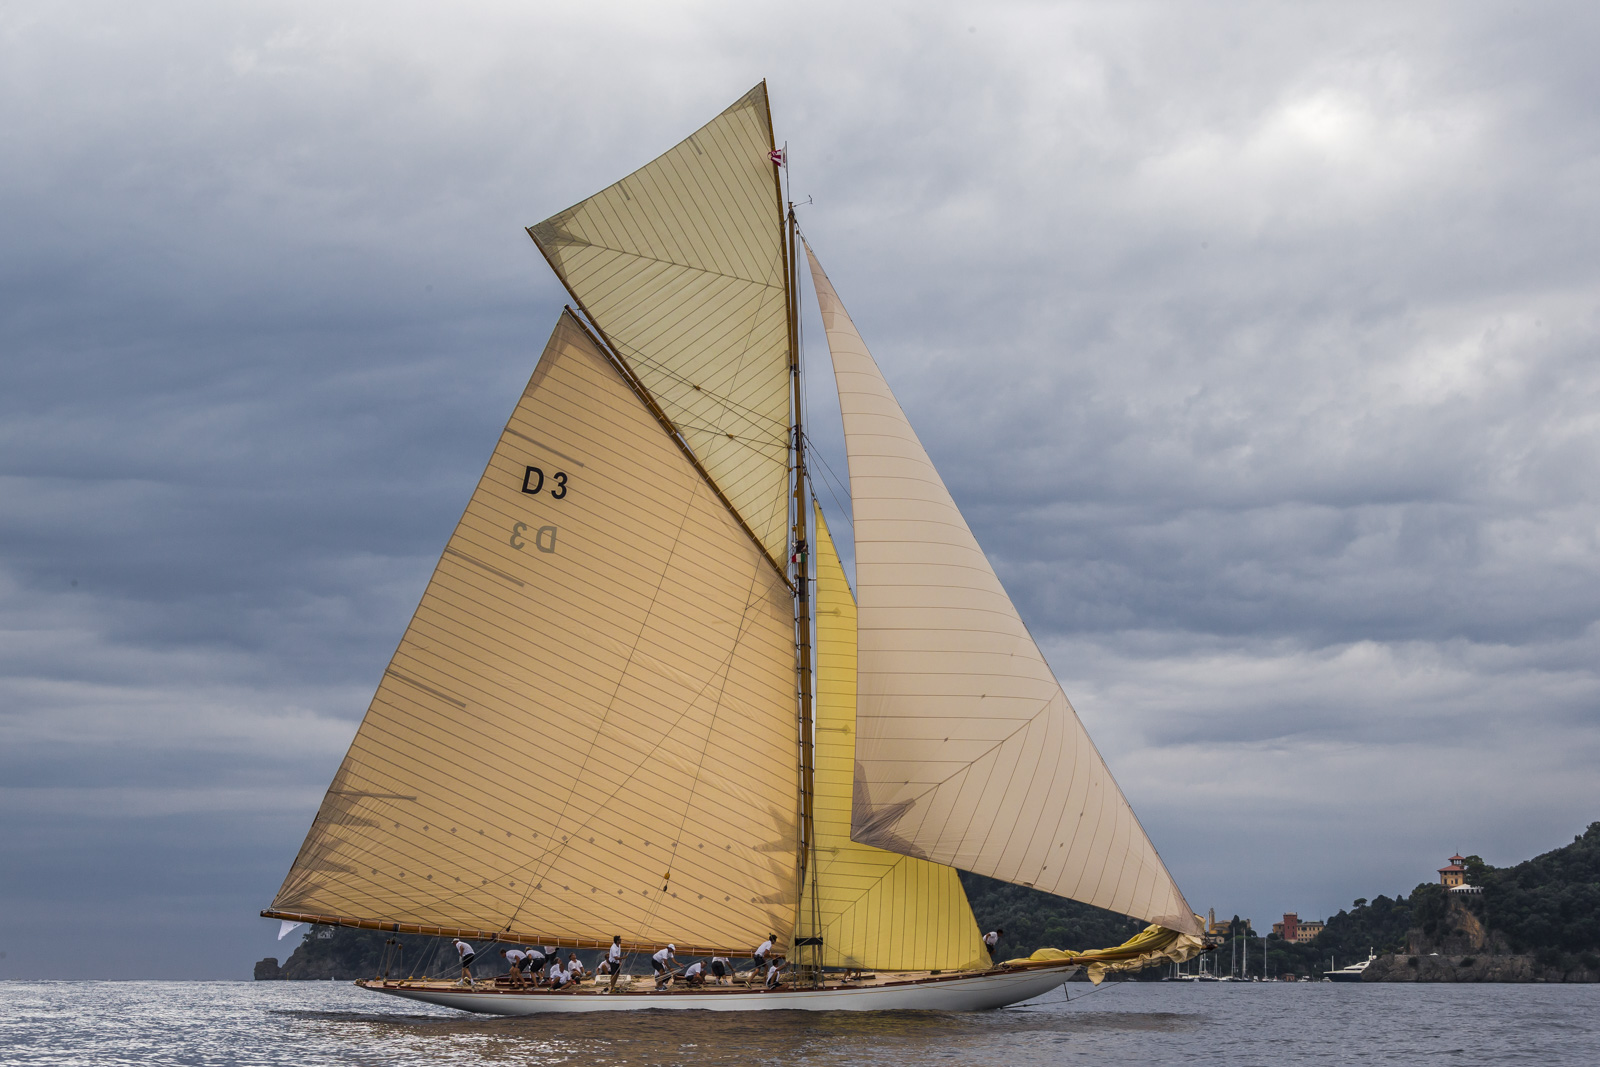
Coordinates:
(310, 1023)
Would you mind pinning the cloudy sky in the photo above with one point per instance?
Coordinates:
(1257, 341)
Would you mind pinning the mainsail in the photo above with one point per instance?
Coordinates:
(681, 267)
(589, 726)
(968, 752)
(877, 909)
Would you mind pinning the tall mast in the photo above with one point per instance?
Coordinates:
(808, 931)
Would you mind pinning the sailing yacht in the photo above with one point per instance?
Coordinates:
(639, 697)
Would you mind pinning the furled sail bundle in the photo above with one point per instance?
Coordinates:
(876, 909)
(968, 752)
(588, 727)
(682, 267)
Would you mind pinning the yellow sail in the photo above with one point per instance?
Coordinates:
(681, 266)
(878, 909)
(589, 726)
(969, 753)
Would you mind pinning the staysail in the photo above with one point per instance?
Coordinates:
(969, 753)
(681, 266)
(589, 726)
(878, 909)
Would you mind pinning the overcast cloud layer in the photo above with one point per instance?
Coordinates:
(1256, 341)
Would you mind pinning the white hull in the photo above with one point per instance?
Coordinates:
(979, 992)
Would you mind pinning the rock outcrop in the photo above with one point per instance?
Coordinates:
(268, 970)
(1437, 968)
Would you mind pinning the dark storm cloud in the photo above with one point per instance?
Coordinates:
(1256, 343)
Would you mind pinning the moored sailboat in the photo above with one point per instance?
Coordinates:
(634, 596)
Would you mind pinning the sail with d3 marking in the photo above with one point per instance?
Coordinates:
(588, 727)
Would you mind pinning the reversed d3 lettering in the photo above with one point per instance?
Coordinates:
(545, 539)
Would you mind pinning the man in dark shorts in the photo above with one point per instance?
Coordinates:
(464, 950)
(763, 954)
(614, 959)
(663, 962)
(721, 968)
(514, 960)
(535, 961)
(991, 941)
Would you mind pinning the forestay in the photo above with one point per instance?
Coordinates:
(969, 753)
(878, 910)
(588, 727)
(681, 266)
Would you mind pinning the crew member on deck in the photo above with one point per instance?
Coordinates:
(574, 967)
(991, 941)
(535, 961)
(558, 977)
(614, 958)
(695, 974)
(775, 972)
(663, 962)
(721, 969)
(514, 958)
(763, 952)
(464, 950)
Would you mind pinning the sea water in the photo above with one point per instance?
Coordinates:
(308, 1023)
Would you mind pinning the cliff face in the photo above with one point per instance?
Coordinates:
(1436, 968)
(1461, 948)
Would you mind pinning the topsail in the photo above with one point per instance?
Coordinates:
(681, 266)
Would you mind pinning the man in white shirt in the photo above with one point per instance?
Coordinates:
(558, 977)
(464, 950)
(514, 958)
(721, 969)
(574, 967)
(775, 972)
(695, 974)
(663, 962)
(991, 941)
(535, 962)
(614, 958)
(763, 953)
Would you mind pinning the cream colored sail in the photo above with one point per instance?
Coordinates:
(589, 727)
(968, 753)
(878, 910)
(681, 266)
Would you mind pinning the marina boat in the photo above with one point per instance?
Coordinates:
(1352, 972)
(639, 697)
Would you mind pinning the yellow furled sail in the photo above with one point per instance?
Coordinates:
(1149, 946)
(681, 266)
(588, 727)
(878, 910)
(969, 753)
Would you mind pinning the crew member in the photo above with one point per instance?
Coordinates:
(695, 974)
(514, 958)
(464, 950)
(558, 977)
(614, 958)
(721, 969)
(775, 972)
(574, 967)
(763, 952)
(535, 961)
(663, 962)
(991, 941)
